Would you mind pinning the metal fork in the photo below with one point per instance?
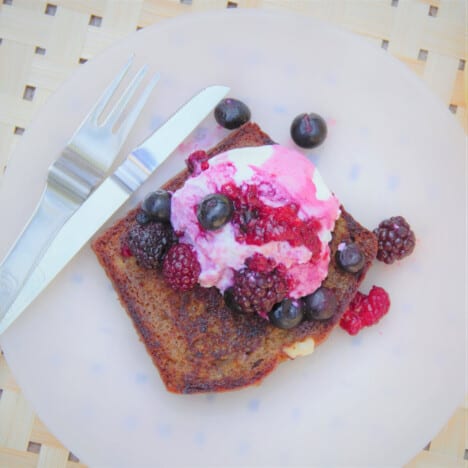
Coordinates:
(81, 167)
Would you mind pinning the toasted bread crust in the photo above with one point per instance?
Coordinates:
(196, 342)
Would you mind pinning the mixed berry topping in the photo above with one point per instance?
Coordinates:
(308, 130)
(257, 223)
(214, 211)
(231, 113)
(257, 291)
(157, 206)
(148, 243)
(396, 239)
(321, 304)
(197, 162)
(350, 258)
(287, 314)
(365, 310)
(262, 285)
(181, 268)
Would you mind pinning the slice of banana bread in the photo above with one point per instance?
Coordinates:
(197, 343)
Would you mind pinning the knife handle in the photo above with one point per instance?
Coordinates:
(49, 216)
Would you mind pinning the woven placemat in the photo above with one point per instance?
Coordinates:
(426, 35)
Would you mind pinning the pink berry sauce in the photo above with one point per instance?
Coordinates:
(257, 223)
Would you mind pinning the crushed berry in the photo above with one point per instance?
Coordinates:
(256, 223)
(365, 310)
(260, 263)
(396, 239)
(125, 250)
(197, 162)
(181, 268)
(256, 291)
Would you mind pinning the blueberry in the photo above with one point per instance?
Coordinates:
(157, 205)
(350, 258)
(231, 113)
(287, 314)
(142, 217)
(321, 304)
(214, 211)
(308, 130)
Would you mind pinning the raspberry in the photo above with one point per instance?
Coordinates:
(148, 243)
(396, 239)
(197, 162)
(364, 311)
(351, 322)
(181, 268)
(357, 303)
(377, 305)
(258, 291)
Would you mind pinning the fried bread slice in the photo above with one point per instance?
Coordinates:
(196, 342)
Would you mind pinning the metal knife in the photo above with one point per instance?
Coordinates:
(111, 194)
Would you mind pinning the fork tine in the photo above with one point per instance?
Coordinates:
(127, 124)
(109, 91)
(117, 110)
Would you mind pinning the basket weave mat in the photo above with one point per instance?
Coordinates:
(426, 35)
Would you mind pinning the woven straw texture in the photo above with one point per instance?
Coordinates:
(427, 35)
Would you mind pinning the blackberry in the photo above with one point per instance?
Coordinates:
(149, 242)
(258, 291)
(396, 239)
(181, 268)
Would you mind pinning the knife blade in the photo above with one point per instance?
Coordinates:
(111, 195)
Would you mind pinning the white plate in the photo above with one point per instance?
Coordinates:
(392, 149)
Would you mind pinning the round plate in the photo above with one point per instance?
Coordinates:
(392, 149)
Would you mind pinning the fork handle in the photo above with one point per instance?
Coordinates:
(50, 214)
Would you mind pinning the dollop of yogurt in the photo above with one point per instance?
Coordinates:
(291, 179)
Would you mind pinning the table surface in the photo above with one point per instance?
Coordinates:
(426, 35)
